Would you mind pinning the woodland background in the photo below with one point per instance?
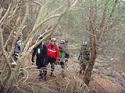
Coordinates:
(100, 22)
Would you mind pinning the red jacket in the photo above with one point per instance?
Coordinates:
(53, 51)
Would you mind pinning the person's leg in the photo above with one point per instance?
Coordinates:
(45, 73)
(52, 68)
(40, 73)
(63, 68)
(52, 62)
(15, 56)
(82, 68)
(62, 65)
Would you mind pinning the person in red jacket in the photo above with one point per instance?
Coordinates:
(53, 54)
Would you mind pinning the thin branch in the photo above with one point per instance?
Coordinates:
(10, 36)
(29, 39)
(106, 25)
(32, 32)
(36, 2)
(5, 55)
(113, 8)
(5, 15)
(74, 3)
(26, 78)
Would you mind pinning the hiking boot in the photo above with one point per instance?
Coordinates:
(41, 76)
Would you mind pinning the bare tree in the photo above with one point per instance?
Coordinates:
(97, 30)
(18, 15)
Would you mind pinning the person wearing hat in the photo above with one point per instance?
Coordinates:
(84, 57)
(41, 54)
(63, 55)
(18, 49)
(53, 54)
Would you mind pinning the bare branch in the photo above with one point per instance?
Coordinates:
(36, 2)
(5, 15)
(6, 58)
(74, 3)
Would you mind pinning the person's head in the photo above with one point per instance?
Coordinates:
(19, 37)
(62, 42)
(66, 41)
(53, 40)
(39, 38)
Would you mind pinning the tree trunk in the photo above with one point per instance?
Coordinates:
(89, 69)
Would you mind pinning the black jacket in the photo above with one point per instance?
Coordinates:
(41, 54)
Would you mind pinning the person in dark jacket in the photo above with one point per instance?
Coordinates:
(84, 57)
(41, 54)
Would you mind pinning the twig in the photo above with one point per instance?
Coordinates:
(5, 55)
(26, 78)
(36, 2)
(67, 84)
(5, 15)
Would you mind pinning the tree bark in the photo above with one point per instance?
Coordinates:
(89, 69)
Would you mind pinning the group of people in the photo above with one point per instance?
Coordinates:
(49, 53)
(43, 54)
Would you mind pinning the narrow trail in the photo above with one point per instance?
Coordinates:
(70, 70)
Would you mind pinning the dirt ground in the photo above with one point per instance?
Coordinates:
(71, 81)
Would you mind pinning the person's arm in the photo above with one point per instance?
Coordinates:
(57, 54)
(33, 54)
(45, 54)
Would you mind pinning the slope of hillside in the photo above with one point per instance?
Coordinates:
(72, 81)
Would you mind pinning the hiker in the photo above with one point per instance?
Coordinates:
(17, 50)
(84, 57)
(66, 51)
(53, 54)
(40, 52)
(63, 55)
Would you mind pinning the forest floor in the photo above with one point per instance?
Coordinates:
(106, 78)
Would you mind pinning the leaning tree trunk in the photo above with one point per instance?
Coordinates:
(92, 30)
(89, 69)
(96, 35)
